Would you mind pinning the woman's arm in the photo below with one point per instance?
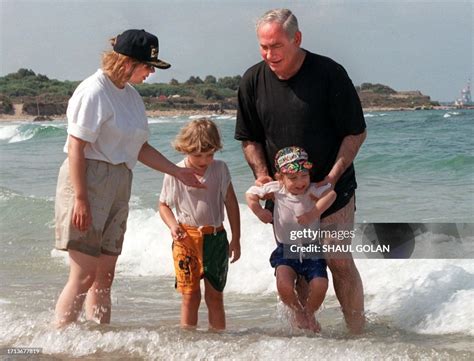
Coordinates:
(81, 216)
(154, 159)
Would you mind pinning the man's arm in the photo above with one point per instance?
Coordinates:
(347, 152)
(255, 157)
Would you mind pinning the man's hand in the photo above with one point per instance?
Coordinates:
(260, 181)
(326, 180)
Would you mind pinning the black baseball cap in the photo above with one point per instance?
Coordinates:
(140, 45)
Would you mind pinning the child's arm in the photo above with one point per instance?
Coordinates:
(232, 208)
(253, 201)
(320, 206)
(166, 214)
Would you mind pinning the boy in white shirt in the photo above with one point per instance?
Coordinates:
(200, 246)
(298, 205)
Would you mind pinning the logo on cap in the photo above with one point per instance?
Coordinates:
(154, 53)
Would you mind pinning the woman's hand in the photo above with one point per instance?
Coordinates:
(81, 215)
(188, 177)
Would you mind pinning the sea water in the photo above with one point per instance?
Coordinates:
(415, 166)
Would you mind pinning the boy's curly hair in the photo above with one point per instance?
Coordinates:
(200, 135)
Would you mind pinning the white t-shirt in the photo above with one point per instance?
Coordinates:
(110, 119)
(198, 206)
(289, 206)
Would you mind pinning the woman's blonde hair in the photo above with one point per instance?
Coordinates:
(200, 135)
(113, 64)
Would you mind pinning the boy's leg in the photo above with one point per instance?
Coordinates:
(82, 271)
(286, 278)
(215, 306)
(189, 309)
(98, 302)
(317, 291)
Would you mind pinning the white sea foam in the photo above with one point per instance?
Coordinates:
(15, 133)
(166, 120)
(416, 294)
(173, 344)
(197, 116)
(223, 117)
(450, 114)
(147, 251)
(372, 115)
(9, 132)
(451, 316)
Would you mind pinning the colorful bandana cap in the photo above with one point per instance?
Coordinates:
(292, 160)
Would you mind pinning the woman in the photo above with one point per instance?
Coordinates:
(107, 134)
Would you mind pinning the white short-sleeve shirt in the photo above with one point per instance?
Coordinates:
(198, 206)
(289, 206)
(110, 119)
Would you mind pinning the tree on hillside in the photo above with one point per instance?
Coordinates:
(231, 82)
(194, 80)
(377, 88)
(210, 79)
(23, 73)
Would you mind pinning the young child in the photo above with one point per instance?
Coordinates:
(298, 205)
(200, 246)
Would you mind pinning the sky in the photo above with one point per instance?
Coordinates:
(407, 45)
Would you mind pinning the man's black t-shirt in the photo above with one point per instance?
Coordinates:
(315, 109)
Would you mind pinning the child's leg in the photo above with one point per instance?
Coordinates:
(302, 290)
(98, 302)
(215, 306)
(82, 271)
(189, 308)
(286, 278)
(317, 291)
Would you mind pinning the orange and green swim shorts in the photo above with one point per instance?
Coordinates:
(202, 253)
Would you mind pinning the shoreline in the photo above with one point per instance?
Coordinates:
(204, 113)
(150, 114)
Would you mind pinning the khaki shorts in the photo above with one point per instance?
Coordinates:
(108, 188)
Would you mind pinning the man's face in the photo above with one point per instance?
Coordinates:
(278, 50)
